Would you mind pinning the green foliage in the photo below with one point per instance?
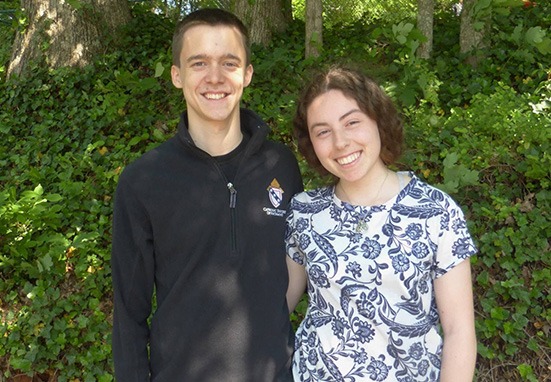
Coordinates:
(54, 285)
(496, 162)
(66, 136)
(517, 52)
(484, 136)
(9, 16)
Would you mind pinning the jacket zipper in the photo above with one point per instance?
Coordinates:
(233, 192)
(233, 201)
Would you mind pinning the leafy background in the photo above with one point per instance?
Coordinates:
(482, 135)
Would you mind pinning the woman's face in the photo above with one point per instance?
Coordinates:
(345, 139)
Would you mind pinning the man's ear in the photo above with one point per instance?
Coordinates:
(248, 75)
(176, 78)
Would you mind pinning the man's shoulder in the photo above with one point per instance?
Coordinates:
(150, 161)
(278, 147)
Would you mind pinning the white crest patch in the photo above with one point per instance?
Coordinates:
(275, 193)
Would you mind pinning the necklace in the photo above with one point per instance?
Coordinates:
(362, 227)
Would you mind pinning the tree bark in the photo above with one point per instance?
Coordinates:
(425, 23)
(61, 34)
(472, 41)
(314, 27)
(263, 17)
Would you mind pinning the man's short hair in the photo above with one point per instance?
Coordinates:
(211, 17)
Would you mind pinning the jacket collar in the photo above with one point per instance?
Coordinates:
(251, 124)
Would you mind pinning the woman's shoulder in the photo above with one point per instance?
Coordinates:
(420, 192)
(312, 201)
(317, 194)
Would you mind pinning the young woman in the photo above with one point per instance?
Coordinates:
(385, 256)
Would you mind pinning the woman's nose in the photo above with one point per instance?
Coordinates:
(341, 139)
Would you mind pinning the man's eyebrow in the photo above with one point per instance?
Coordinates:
(340, 118)
(205, 56)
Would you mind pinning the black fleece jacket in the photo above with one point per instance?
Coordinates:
(214, 254)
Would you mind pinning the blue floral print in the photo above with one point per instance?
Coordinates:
(400, 263)
(462, 248)
(364, 331)
(377, 370)
(414, 231)
(302, 224)
(416, 351)
(372, 315)
(420, 250)
(371, 249)
(354, 268)
(318, 277)
(304, 241)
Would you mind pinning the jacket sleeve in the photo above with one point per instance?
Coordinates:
(298, 185)
(132, 265)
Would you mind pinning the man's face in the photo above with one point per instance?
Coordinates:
(213, 73)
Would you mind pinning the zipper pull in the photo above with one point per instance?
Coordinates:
(233, 195)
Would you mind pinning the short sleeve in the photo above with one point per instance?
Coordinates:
(293, 234)
(455, 243)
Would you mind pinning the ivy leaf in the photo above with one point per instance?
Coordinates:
(408, 97)
(534, 36)
(526, 372)
(45, 263)
(469, 177)
(76, 4)
(544, 46)
(450, 160)
(159, 70)
(135, 141)
(82, 238)
(53, 198)
(21, 364)
(517, 34)
(509, 3)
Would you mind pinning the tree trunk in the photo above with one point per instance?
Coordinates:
(472, 41)
(314, 28)
(263, 17)
(425, 23)
(62, 34)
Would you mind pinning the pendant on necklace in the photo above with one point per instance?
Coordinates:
(361, 227)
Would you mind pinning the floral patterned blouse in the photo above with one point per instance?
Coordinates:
(372, 314)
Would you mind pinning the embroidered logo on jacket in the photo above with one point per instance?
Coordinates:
(275, 193)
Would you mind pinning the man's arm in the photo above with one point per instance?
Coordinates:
(133, 274)
(454, 298)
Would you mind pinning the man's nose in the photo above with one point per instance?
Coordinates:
(215, 74)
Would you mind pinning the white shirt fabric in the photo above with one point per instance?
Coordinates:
(371, 314)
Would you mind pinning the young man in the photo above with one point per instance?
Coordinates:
(200, 220)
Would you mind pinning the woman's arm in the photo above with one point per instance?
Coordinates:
(454, 298)
(297, 283)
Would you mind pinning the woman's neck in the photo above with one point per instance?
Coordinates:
(371, 192)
